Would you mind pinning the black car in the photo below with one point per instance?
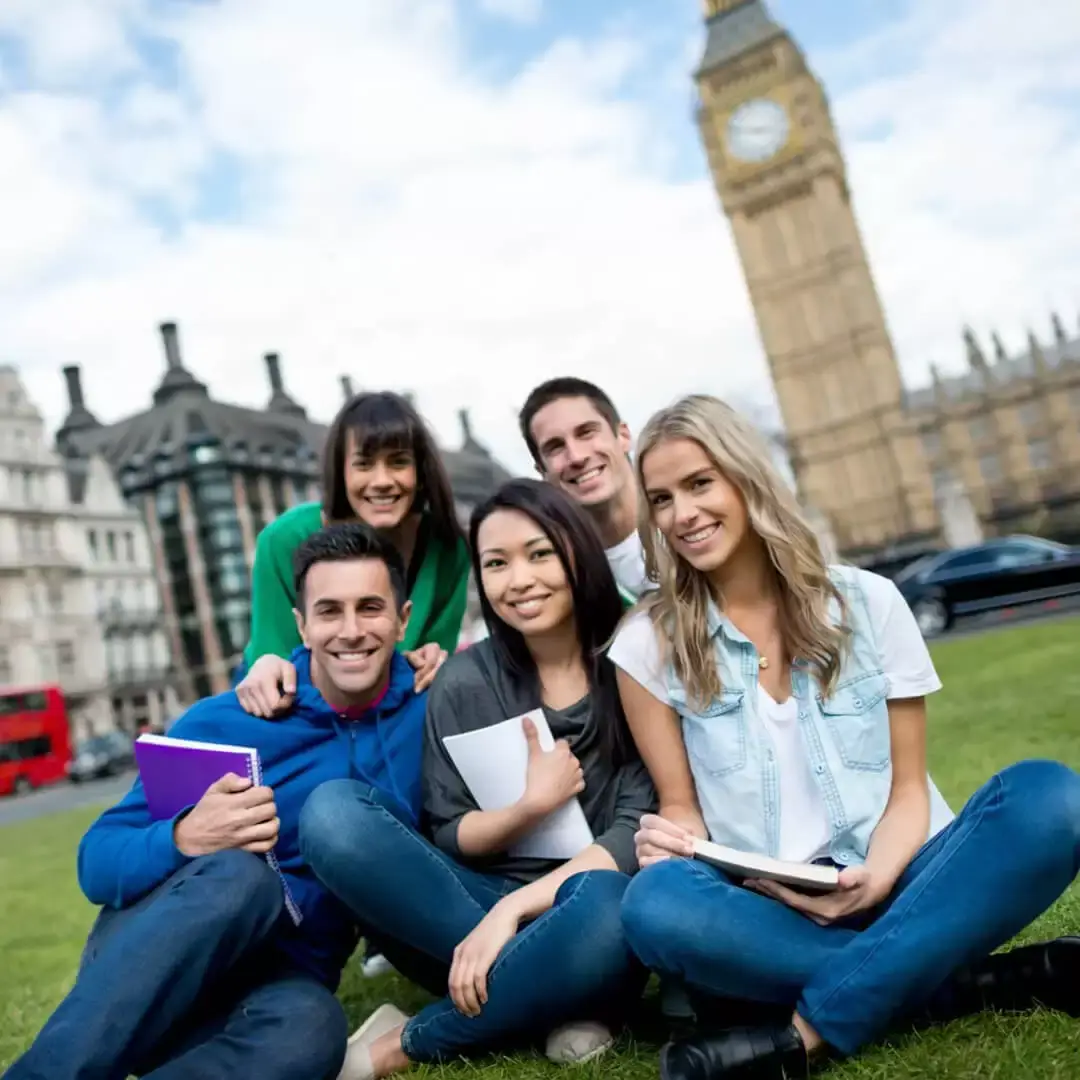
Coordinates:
(101, 755)
(1000, 573)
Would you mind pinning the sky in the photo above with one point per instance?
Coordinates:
(462, 198)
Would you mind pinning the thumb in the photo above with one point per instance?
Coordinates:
(288, 679)
(230, 784)
(531, 736)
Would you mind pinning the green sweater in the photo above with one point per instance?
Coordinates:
(438, 595)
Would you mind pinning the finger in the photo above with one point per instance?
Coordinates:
(281, 705)
(259, 831)
(532, 737)
(256, 796)
(656, 823)
(424, 678)
(229, 784)
(287, 679)
(800, 902)
(466, 990)
(667, 842)
(250, 816)
(480, 985)
(259, 847)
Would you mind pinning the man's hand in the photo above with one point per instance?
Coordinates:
(859, 890)
(554, 776)
(426, 662)
(232, 814)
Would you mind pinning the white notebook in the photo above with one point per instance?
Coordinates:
(493, 762)
(743, 864)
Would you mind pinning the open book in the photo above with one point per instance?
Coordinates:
(742, 864)
(493, 761)
(175, 774)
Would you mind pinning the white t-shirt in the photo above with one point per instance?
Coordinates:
(905, 660)
(627, 562)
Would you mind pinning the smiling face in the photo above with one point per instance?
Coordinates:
(700, 513)
(580, 451)
(521, 574)
(351, 623)
(381, 486)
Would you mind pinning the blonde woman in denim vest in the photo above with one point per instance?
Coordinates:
(780, 705)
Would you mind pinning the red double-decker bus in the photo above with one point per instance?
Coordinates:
(35, 742)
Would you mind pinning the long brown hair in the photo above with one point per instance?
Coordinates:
(381, 420)
(679, 607)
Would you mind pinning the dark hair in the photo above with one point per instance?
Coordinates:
(566, 386)
(382, 420)
(346, 542)
(598, 606)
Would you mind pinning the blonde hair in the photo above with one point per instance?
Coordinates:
(679, 607)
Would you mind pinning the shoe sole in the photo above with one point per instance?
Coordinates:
(372, 1022)
(1064, 958)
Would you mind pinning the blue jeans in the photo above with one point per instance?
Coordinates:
(181, 986)
(571, 963)
(1009, 854)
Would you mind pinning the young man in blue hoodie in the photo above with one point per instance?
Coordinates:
(194, 968)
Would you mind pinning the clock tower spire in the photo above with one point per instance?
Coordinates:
(780, 175)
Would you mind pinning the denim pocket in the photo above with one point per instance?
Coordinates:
(857, 715)
(715, 736)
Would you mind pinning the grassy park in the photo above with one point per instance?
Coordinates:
(1009, 694)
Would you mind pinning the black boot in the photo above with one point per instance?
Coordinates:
(1046, 974)
(760, 1053)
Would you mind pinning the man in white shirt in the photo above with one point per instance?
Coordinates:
(580, 444)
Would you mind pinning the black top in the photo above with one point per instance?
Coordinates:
(471, 692)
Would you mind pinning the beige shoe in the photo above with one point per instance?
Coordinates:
(358, 1051)
(574, 1044)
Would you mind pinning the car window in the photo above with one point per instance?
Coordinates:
(965, 560)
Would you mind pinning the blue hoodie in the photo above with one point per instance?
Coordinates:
(124, 854)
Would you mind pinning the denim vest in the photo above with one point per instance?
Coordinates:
(846, 737)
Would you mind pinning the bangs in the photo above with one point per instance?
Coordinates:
(376, 423)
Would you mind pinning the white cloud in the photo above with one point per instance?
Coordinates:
(395, 214)
(519, 11)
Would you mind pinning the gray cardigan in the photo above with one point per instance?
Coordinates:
(472, 691)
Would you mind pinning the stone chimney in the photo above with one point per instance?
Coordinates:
(975, 357)
(466, 428)
(273, 370)
(79, 417)
(1038, 357)
(1060, 337)
(347, 391)
(73, 378)
(171, 339)
(1000, 355)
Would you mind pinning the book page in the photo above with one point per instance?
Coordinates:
(493, 761)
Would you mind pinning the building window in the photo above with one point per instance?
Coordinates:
(110, 545)
(5, 665)
(54, 590)
(65, 659)
(206, 455)
(1031, 415)
(92, 540)
(990, 467)
(981, 428)
(1040, 454)
(28, 487)
(165, 500)
(129, 547)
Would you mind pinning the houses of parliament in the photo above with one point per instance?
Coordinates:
(887, 467)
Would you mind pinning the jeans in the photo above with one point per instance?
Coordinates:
(571, 963)
(1009, 854)
(182, 986)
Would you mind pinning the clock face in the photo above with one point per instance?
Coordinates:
(757, 130)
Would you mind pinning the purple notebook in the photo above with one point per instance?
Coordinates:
(175, 774)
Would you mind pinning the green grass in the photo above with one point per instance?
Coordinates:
(1009, 695)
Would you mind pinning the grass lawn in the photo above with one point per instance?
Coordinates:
(1009, 695)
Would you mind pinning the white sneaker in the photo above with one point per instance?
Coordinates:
(358, 1051)
(376, 965)
(574, 1044)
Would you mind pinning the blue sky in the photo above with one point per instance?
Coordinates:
(463, 197)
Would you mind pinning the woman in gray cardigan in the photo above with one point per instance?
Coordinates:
(534, 947)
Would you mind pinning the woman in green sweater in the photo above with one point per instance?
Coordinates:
(381, 466)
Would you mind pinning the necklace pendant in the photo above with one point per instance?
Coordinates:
(763, 662)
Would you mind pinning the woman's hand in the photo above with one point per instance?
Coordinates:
(658, 839)
(553, 777)
(426, 661)
(860, 889)
(269, 688)
(474, 956)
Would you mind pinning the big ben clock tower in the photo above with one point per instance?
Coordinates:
(780, 175)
